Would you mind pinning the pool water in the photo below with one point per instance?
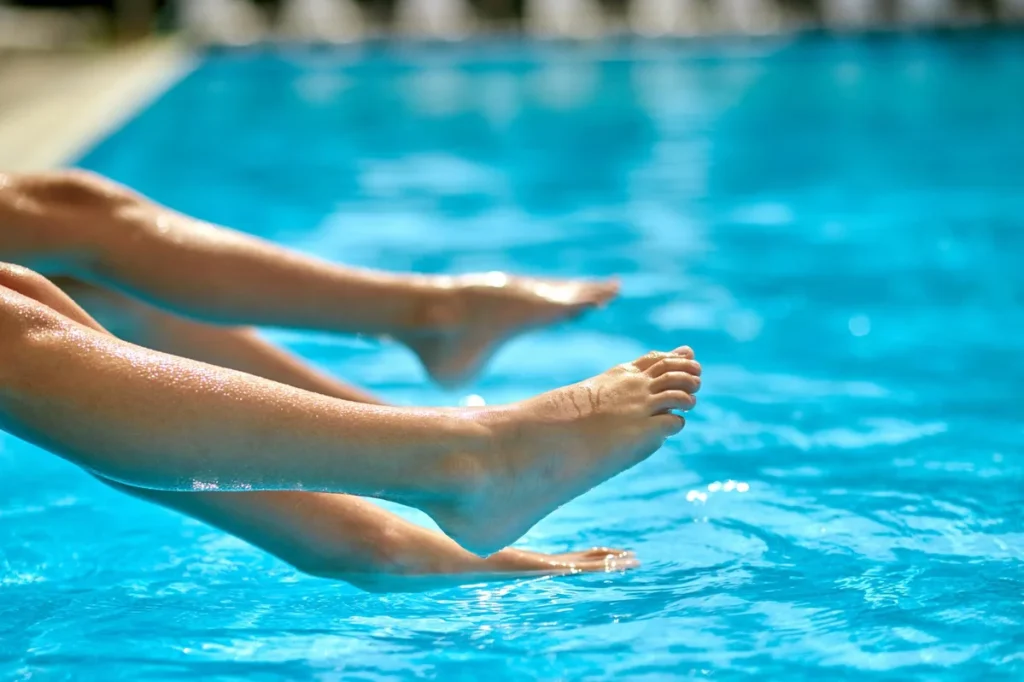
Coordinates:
(837, 226)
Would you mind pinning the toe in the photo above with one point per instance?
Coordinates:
(674, 363)
(676, 381)
(673, 400)
(607, 563)
(670, 423)
(618, 564)
(598, 293)
(645, 362)
(606, 552)
(685, 351)
(598, 560)
(608, 289)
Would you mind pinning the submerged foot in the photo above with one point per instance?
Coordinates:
(513, 562)
(480, 312)
(555, 447)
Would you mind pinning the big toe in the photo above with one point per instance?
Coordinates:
(685, 351)
(602, 292)
(581, 295)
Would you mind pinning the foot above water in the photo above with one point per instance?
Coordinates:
(550, 449)
(484, 311)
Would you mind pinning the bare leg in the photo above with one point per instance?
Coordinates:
(236, 348)
(351, 539)
(323, 534)
(82, 225)
(485, 475)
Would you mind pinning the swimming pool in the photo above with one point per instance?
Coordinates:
(834, 225)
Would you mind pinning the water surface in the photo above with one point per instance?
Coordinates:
(834, 225)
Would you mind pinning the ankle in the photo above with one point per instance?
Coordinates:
(466, 461)
(439, 305)
(504, 426)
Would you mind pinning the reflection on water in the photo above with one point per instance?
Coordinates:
(835, 226)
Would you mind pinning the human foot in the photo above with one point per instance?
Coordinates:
(555, 447)
(518, 562)
(453, 566)
(463, 327)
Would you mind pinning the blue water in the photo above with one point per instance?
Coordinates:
(834, 225)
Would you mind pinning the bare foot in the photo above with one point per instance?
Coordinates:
(451, 568)
(555, 447)
(520, 562)
(454, 324)
(480, 312)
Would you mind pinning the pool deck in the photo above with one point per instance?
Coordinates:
(54, 105)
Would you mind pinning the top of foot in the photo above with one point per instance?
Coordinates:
(481, 312)
(555, 447)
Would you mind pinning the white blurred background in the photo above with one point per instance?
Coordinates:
(67, 24)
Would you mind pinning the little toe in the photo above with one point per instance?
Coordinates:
(670, 423)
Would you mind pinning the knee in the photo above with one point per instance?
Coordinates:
(24, 281)
(74, 188)
(24, 322)
(60, 220)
